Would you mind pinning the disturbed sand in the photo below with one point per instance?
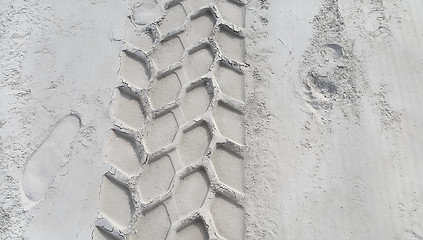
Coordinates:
(316, 136)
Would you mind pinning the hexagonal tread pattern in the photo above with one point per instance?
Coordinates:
(177, 145)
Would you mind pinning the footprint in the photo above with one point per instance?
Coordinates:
(44, 163)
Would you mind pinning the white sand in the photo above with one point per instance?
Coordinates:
(309, 127)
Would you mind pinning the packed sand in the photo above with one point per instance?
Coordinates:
(211, 119)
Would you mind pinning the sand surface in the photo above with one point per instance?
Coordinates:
(211, 119)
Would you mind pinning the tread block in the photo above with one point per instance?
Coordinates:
(231, 82)
(229, 168)
(232, 12)
(134, 70)
(116, 203)
(231, 45)
(196, 102)
(200, 27)
(165, 90)
(168, 52)
(195, 230)
(136, 36)
(194, 144)
(154, 225)
(191, 192)
(228, 217)
(174, 19)
(155, 178)
(120, 152)
(229, 122)
(127, 109)
(198, 63)
(160, 132)
(147, 12)
(197, 4)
